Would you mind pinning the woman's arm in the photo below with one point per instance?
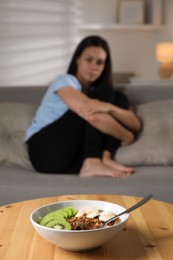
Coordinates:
(79, 103)
(73, 98)
(109, 125)
(126, 117)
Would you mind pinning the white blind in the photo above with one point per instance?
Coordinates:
(37, 38)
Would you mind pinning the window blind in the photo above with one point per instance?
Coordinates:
(37, 38)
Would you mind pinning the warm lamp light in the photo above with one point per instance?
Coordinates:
(164, 54)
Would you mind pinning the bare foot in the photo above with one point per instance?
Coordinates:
(93, 167)
(125, 171)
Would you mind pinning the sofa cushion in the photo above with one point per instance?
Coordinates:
(14, 120)
(154, 145)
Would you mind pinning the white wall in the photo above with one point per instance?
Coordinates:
(132, 51)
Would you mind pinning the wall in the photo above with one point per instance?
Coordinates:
(132, 51)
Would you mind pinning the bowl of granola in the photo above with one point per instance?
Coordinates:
(76, 225)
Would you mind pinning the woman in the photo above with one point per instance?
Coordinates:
(77, 127)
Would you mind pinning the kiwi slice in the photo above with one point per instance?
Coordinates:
(53, 215)
(63, 213)
(71, 211)
(46, 219)
(58, 214)
(74, 211)
(59, 224)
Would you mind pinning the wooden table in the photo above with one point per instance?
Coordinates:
(148, 234)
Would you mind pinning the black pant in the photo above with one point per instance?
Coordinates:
(62, 146)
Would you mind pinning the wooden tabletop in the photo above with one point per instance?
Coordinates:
(148, 234)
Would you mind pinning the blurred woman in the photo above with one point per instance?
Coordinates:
(81, 121)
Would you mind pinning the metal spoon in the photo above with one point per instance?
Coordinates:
(135, 206)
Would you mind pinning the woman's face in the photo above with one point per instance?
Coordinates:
(90, 64)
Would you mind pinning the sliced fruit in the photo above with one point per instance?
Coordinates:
(46, 219)
(63, 213)
(59, 224)
(74, 211)
(104, 216)
(56, 214)
(80, 213)
(71, 211)
(93, 213)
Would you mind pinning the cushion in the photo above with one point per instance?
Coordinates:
(154, 144)
(14, 120)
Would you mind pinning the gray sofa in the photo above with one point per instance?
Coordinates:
(151, 154)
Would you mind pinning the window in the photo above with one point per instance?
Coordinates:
(37, 38)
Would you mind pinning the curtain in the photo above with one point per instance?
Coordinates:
(37, 38)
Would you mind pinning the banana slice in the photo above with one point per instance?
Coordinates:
(89, 210)
(105, 215)
(94, 213)
(80, 213)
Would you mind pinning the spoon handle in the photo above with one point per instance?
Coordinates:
(135, 206)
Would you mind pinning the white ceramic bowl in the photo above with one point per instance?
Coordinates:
(75, 240)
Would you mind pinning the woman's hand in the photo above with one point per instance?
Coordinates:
(92, 106)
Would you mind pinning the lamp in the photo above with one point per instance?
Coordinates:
(164, 54)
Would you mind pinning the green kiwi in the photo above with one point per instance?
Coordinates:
(46, 219)
(59, 224)
(64, 213)
(74, 211)
(51, 216)
(71, 211)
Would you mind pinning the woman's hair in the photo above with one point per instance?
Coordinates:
(93, 41)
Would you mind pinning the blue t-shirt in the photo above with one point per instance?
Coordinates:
(52, 106)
